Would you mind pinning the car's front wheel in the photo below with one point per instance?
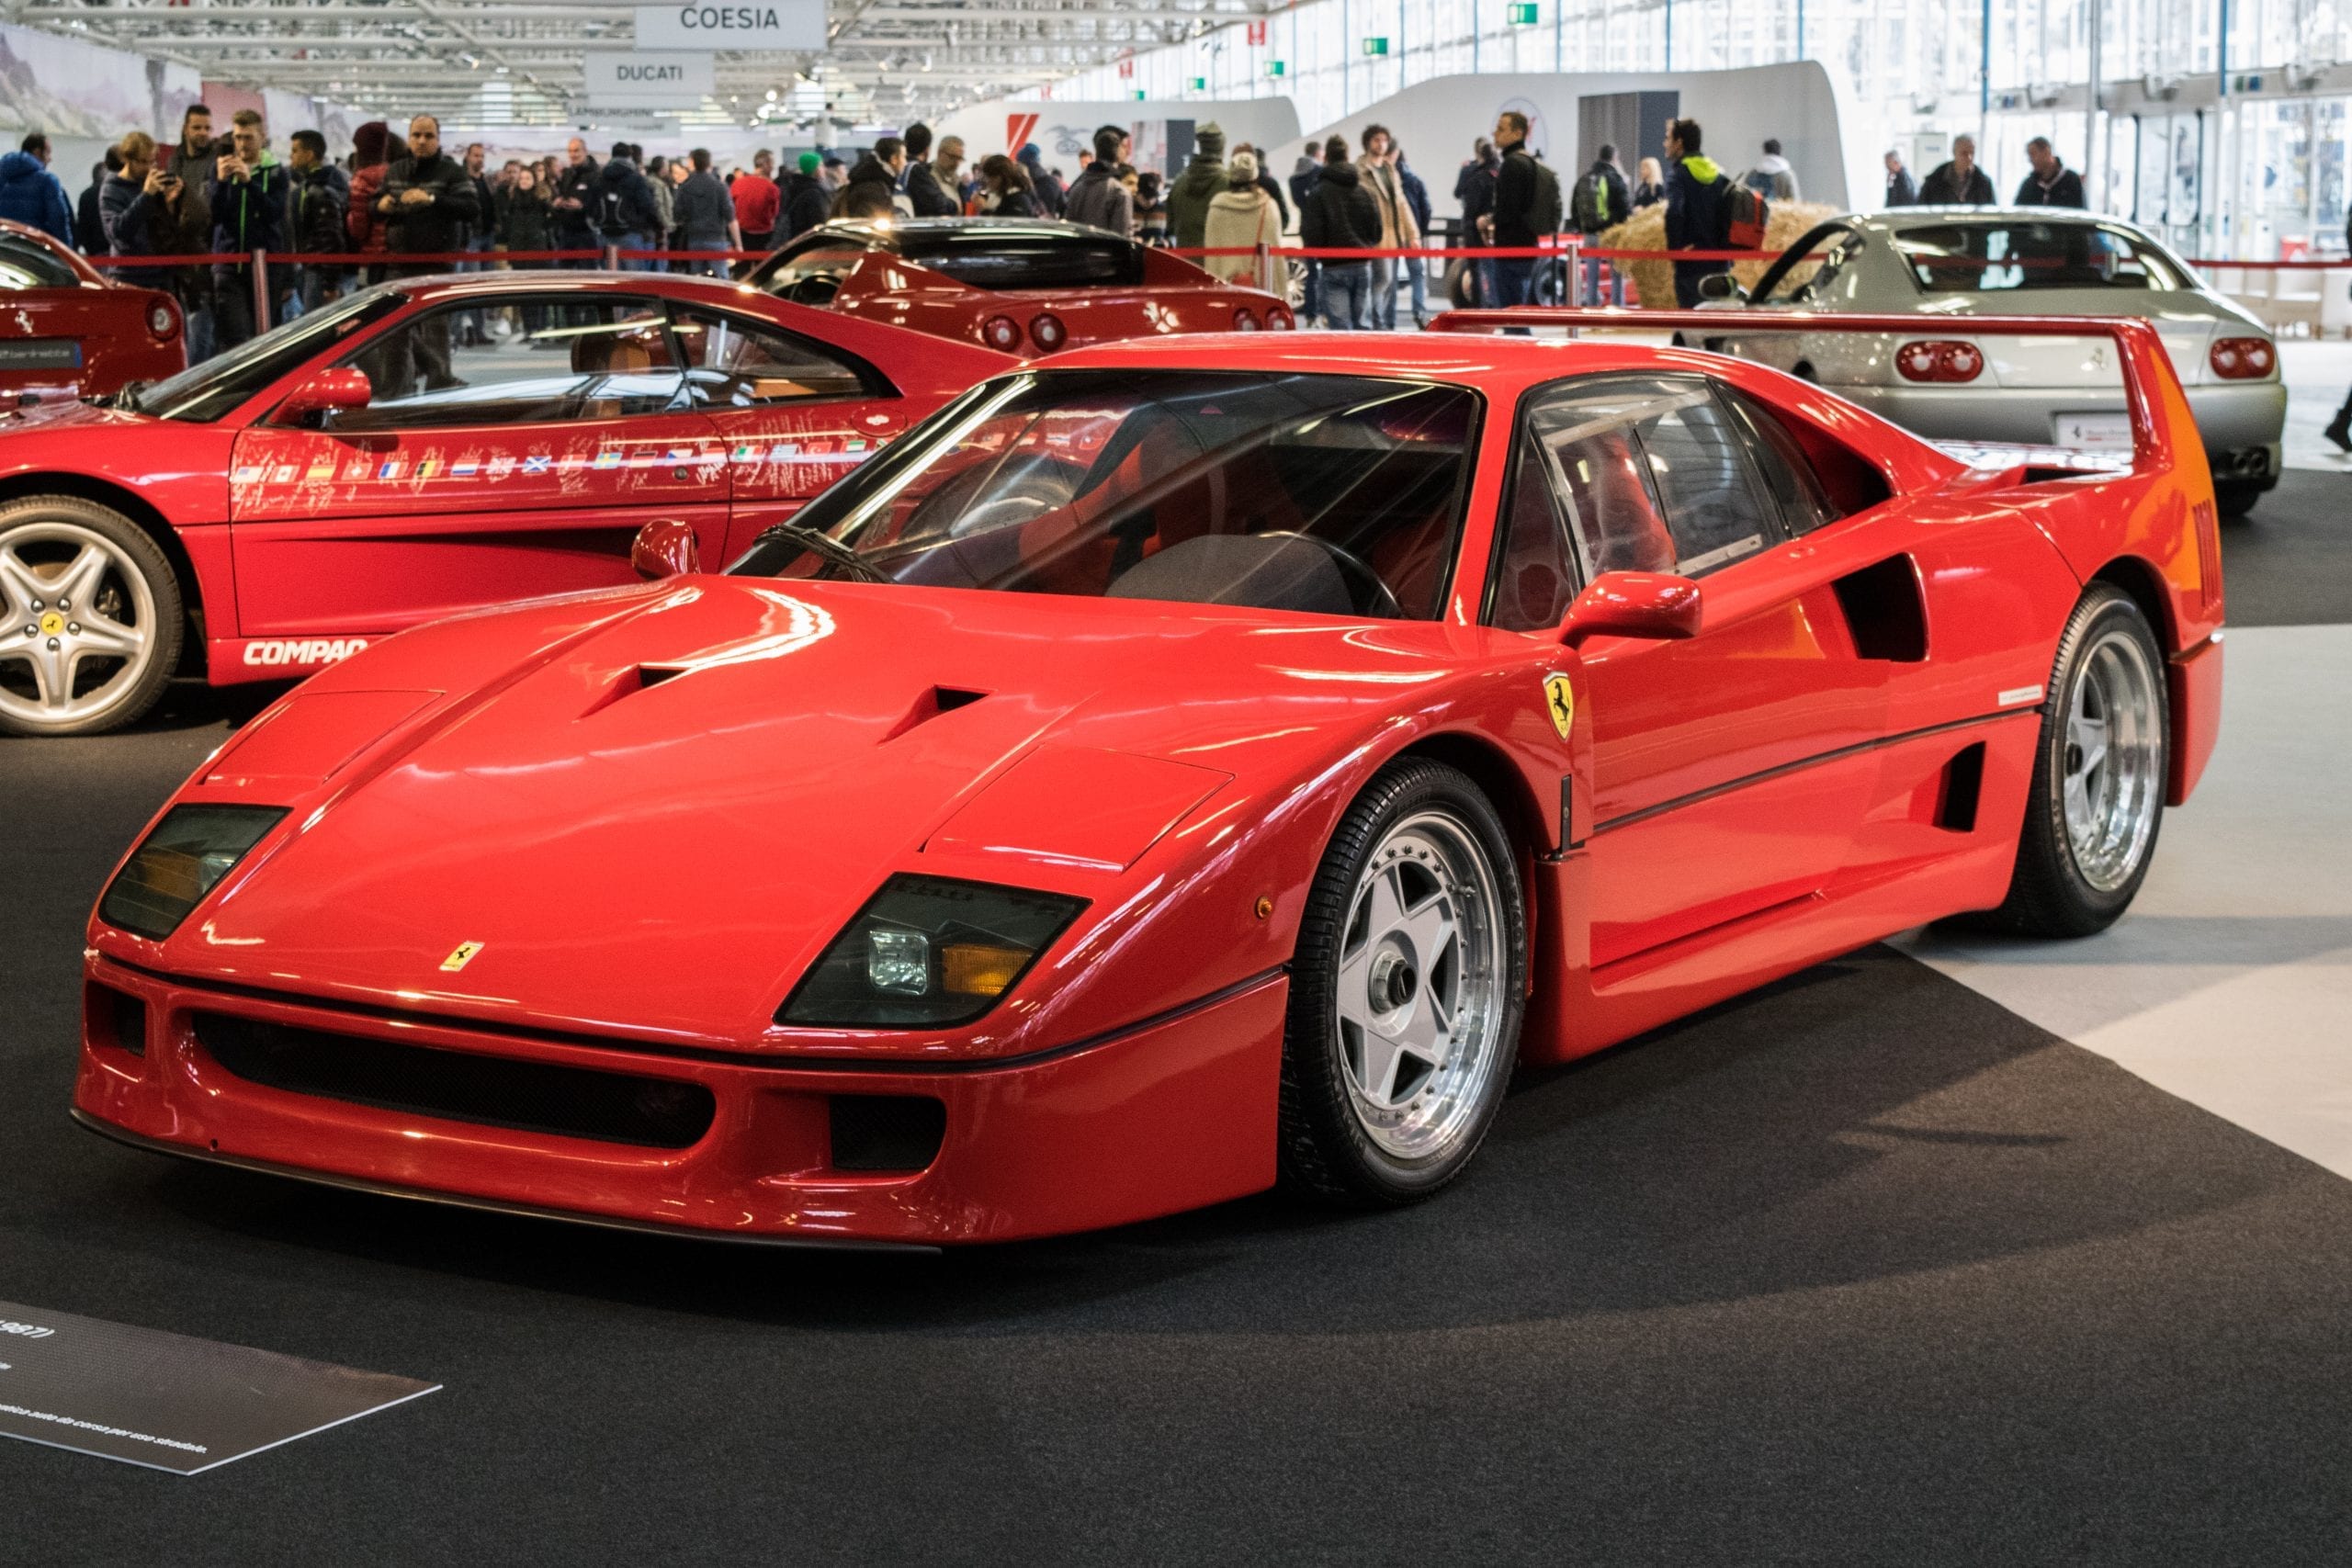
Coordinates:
(90, 617)
(1405, 992)
(2097, 797)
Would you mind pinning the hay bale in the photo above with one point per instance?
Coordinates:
(1653, 281)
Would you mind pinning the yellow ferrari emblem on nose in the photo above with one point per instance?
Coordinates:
(1560, 702)
(52, 623)
(461, 957)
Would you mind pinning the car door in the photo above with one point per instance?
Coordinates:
(793, 414)
(476, 474)
(1722, 781)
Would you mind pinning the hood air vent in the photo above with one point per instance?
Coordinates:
(933, 702)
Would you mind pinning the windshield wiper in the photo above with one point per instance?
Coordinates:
(826, 548)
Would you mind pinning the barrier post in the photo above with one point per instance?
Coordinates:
(261, 292)
(1265, 272)
(1576, 270)
(612, 256)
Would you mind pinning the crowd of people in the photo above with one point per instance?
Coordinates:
(225, 193)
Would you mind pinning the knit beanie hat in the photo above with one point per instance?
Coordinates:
(808, 163)
(1243, 170)
(367, 144)
(1209, 141)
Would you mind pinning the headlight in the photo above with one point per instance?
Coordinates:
(185, 858)
(929, 951)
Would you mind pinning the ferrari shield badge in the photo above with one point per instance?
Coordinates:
(461, 957)
(1560, 702)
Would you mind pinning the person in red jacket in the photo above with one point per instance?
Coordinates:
(361, 219)
(757, 202)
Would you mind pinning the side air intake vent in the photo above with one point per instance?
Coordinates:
(1963, 784)
(1883, 606)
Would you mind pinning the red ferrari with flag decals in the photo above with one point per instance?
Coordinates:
(361, 470)
(1173, 769)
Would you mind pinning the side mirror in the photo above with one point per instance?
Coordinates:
(330, 392)
(1633, 604)
(1721, 285)
(665, 547)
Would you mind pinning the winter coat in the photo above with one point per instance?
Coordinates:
(249, 214)
(526, 222)
(113, 200)
(1616, 206)
(872, 172)
(665, 205)
(1242, 218)
(440, 224)
(1397, 227)
(703, 211)
(1188, 198)
(1698, 216)
(318, 201)
(1302, 185)
(1417, 197)
(806, 203)
(1474, 189)
(1515, 183)
(929, 198)
(155, 226)
(89, 226)
(30, 193)
(1648, 195)
(575, 227)
(1900, 191)
(1944, 188)
(1773, 178)
(1046, 192)
(360, 219)
(758, 205)
(1012, 204)
(1100, 201)
(621, 204)
(2067, 190)
(1342, 214)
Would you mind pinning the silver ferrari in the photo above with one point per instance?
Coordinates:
(1946, 264)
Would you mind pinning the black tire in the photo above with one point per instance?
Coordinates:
(2235, 497)
(2050, 895)
(130, 686)
(1327, 1150)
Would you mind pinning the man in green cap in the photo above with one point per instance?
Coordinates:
(1202, 179)
(806, 200)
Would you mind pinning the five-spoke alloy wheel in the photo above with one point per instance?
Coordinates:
(1405, 993)
(90, 617)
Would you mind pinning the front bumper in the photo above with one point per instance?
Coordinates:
(1171, 1114)
(2235, 420)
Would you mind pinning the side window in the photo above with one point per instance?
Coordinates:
(1535, 576)
(571, 359)
(732, 363)
(1786, 472)
(1700, 466)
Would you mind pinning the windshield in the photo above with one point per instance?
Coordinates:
(1337, 495)
(1994, 256)
(1806, 269)
(204, 392)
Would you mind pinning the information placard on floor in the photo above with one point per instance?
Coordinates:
(164, 1400)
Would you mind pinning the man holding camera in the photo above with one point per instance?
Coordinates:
(247, 196)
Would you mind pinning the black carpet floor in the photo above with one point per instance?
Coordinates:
(1861, 1268)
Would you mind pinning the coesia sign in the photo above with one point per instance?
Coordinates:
(637, 81)
(744, 23)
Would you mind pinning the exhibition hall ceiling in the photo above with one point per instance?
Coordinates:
(785, 61)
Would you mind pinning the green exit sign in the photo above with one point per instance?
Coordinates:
(1523, 15)
(1376, 46)
(1138, 95)
(1277, 68)
(1200, 84)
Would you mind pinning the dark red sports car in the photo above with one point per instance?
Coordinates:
(361, 470)
(1175, 766)
(68, 330)
(1018, 285)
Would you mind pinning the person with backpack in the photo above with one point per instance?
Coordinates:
(1772, 177)
(1599, 201)
(1698, 208)
(1527, 207)
(622, 207)
(318, 203)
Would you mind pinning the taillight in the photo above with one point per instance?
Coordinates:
(1278, 318)
(162, 321)
(1048, 333)
(1939, 361)
(1002, 332)
(2242, 358)
(1245, 320)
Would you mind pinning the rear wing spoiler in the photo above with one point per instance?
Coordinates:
(2163, 429)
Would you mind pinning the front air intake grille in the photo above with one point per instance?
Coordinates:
(887, 1132)
(456, 1086)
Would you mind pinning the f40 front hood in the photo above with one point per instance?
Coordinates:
(668, 802)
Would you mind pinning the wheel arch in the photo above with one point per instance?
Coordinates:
(2146, 587)
(1505, 786)
(132, 505)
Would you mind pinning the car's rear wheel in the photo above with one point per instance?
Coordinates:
(2097, 797)
(1405, 992)
(90, 617)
